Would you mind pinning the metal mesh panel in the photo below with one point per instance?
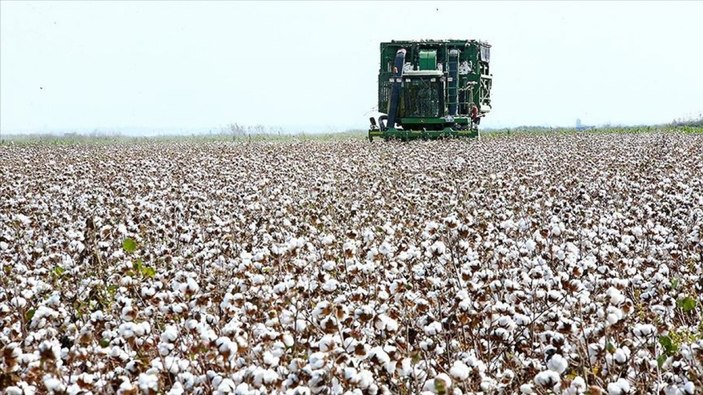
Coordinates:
(420, 99)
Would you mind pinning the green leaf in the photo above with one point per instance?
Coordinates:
(440, 386)
(149, 272)
(686, 304)
(669, 346)
(104, 342)
(610, 347)
(129, 245)
(29, 314)
(58, 270)
(416, 358)
(674, 283)
(660, 360)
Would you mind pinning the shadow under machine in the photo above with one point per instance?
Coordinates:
(432, 89)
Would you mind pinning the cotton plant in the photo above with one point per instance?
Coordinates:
(500, 266)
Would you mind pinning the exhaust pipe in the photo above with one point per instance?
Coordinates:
(395, 92)
(453, 83)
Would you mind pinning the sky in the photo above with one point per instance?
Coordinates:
(160, 67)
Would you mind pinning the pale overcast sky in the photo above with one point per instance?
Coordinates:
(186, 65)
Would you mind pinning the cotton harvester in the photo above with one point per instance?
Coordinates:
(432, 89)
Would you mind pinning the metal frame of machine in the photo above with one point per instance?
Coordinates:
(432, 89)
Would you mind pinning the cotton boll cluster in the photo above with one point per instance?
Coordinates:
(342, 267)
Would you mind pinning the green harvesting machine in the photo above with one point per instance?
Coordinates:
(432, 89)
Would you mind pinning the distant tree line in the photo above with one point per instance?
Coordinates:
(239, 131)
(691, 121)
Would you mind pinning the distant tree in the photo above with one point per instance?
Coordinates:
(237, 130)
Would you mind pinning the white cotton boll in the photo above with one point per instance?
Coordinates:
(165, 348)
(179, 308)
(148, 381)
(689, 388)
(438, 248)
(644, 330)
(288, 340)
(547, 379)
(171, 364)
(18, 301)
(225, 345)
(258, 279)
(352, 375)
(508, 225)
(330, 285)
(530, 246)
(23, 219)
(365, 379)
(148, 291)
(126, 330)
(227, 386)
(317, 360)
(53, 384)
(405, 368)
(620, 387)
(527, 389)
(521, 319)
(192, 286)
(637, 231)
(40, 316)
(433, 329)
(176, 389)
(578, 385)
(385, 249)
(349, 247)
(557, 363)
(321, 310)
(614, 315)
(156, 364)
(391, 325)
(270, 359)
(170, 333)
(54, 300)
(192, 324)
(380, 355)
(460, 371)
(269, 376)
(126, 281)
(327, 343)
(621, 355)
(300, 325)
(126, 386)
(12, 390)
(671, 390)
(615, 296)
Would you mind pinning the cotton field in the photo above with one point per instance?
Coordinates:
(564, 264)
